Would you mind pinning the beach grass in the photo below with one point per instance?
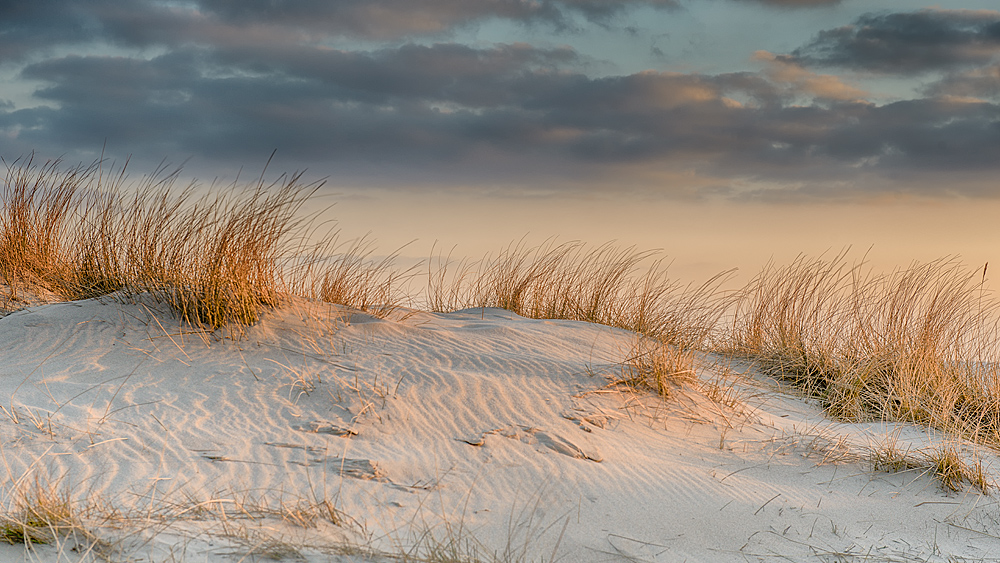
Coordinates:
(944, 463)
(39, 512)
(660, 367)
(607, 284)
(919, 344)
(351, 276)
(247, 525)
(217, 258)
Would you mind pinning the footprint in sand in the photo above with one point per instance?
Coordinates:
(585, 420)
(325, 427)
(346, 467)
(538, 438)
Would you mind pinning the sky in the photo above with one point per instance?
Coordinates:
(726, 132)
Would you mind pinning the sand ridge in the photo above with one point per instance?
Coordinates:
(481, 421)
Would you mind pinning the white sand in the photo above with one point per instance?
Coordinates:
(477, 425)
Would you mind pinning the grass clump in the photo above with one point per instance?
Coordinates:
(658, 366)
(350, 275)
(890, 458)
(603, 284)
(37, 213)
(217, 258)
(917, 345)
(37, 516)
(946, 464)
(953, 471)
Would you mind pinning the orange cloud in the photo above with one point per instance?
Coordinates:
(792, 76)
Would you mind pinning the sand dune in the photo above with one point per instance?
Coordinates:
(480, 426)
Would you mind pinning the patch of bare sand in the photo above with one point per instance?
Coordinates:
(17, 298)
(326, 434)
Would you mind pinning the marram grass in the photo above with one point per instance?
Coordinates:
(217, 259)
(607, 284)
(918, 344)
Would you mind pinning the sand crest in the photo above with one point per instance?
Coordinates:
(479, 427)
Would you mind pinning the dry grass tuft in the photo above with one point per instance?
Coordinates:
(351, 276)
(917, 345)
(816, 442)
(888, 456)
(217, 259)
(576, 282)
(37, 514)
(38, 205)
(44, 511)
(657, 366)
(953, 471)
(670, 372)
(945, 464)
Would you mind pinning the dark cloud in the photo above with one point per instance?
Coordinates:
(924, 134)
(796, 3)
(36, 26)
(982, 82)
(388, 18)
(231, 81)
(908, 43)
(443, 110)
(39, 25)
(448, 73)
(313, 104)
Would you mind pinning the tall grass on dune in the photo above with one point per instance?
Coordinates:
(38, 207)
(605, 284)
(86, 231)
(217, 258)
(349, 273)
(918, 344)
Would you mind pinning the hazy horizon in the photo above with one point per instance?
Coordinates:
(697, 239)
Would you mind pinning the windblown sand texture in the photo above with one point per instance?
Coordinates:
(479, 434)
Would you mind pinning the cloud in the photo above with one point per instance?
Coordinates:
(503, 113)
(232, 81)
(799, 81)
(974, 85)
(445, 72)
(312, 103)
(391, 18)
(907, 42)
(29, 27)
(796, 3)
(40, 25)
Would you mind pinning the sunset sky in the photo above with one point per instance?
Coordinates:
(725, 132)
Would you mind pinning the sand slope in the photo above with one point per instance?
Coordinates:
(478, 425)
